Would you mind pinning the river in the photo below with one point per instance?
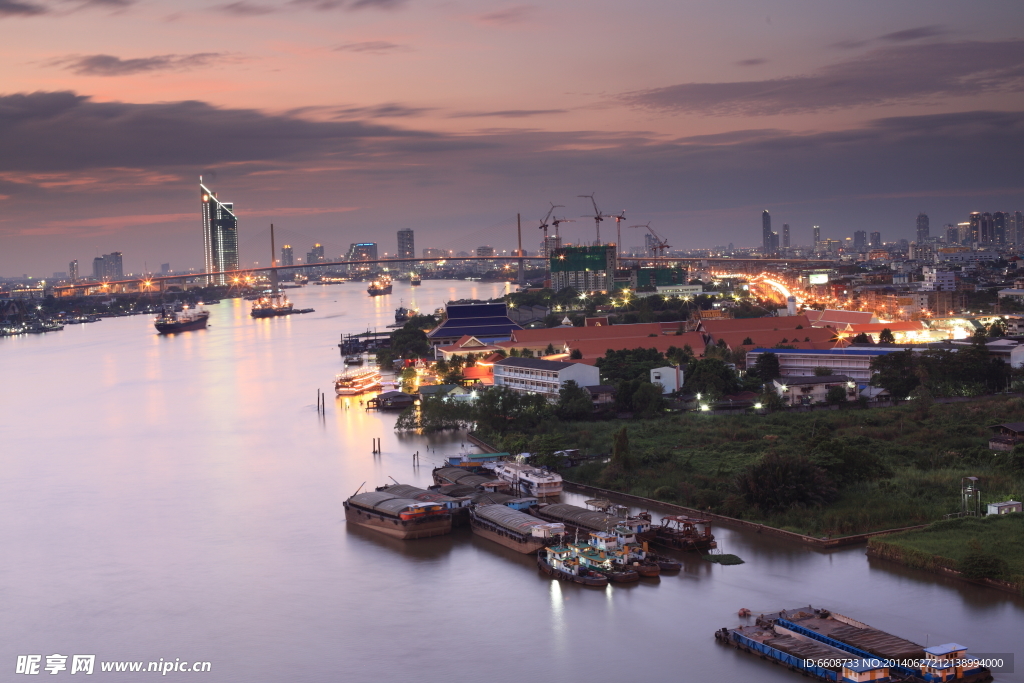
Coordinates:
(180, 498)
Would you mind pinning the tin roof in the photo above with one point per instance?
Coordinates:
(382, 501)
(506, 517)
(573, 514)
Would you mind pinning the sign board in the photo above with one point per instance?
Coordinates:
(818, 279)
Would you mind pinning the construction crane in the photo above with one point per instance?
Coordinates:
(660, 243)
(555, 222)
(597, 215)
(544, 222)
(618, 231)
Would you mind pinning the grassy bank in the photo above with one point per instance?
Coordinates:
(891, 467)
(988, 547)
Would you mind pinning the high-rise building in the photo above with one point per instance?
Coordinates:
(860, 240)
(876, 240)
(963, 231)
(585, 269)
(999, 231)
(316, 254)
(287, 256)
(165, 268)
(108, 267)
(406, 244)
(817, 234)
(220, 236)
(485, 251)
(922, 228)
(766, 232)
(785, 235)
(73, 270)
(362, 251)
(986, 231)
(952, 234)
(651, 244)
(1018, 228)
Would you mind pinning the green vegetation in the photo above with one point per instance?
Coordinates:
(408, 341)
(971, 371)
(724, 558)
(979, 548)
(887, 467)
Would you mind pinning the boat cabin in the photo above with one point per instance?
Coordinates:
(945, 662)
(858, 670)
(604, 541)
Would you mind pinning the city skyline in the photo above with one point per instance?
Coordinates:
(109, 112)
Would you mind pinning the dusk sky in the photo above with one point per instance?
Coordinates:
(346, 120)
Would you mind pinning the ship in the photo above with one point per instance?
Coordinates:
(381, 285)
(532, 481)
(352, 383)
(513, 529)
(562, 563)
(398, 517)
(602, 555)
(402, 314)
(680, 532)
(274, 304)
(170, 322)
(832, 647)
(415, 281)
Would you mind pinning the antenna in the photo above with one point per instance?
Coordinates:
(597, 215)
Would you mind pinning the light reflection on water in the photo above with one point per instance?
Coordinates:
(180, 497)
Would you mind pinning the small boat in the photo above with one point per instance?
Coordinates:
(171, 322)
(271, 306)
(603, 553)
(350, 384)
(561, 562)
(353, 360)
(380, 286)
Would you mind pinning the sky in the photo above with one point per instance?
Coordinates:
(346, 120)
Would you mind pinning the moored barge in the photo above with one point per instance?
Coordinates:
(832, 647)
(397, 517)
(513, 529)
(586, 521)
(680, 532)
(458, 506)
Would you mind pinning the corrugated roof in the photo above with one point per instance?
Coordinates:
(784, 322)
(581, 517)
(382, 501)
(416, 493)
(561, 335)
(506, 517)
(534, 364)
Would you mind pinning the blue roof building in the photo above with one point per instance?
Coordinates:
(488, 322)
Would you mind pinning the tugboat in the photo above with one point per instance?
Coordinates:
(602, 554)
(380, 286)
(169, 322)
(562, 563)
(402, 313)
(276, 304)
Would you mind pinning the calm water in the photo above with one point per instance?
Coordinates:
(179, 497)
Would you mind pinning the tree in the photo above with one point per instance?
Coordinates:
(550, 350)
(779, 482)
(835, 395)
(895, 373)
(862, 338)
(886, 337)
(574, 402)
(711, 376)
(576, 354)
(747, 341)
(767, 366)
(648, 401)
(981, 565)
(822, 371)
(998, 328)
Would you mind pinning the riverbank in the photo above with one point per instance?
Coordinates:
(987, 550)
(880, 469)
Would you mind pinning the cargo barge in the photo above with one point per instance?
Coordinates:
(458, 475)
(513, 529)
(832, 647)
(457, 506)
(397, 517)
(585, 521)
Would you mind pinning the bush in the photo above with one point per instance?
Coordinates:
(779, 482)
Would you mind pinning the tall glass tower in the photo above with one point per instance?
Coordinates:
(220, 236)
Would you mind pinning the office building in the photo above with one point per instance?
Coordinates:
(362, 251)
(485, 251)
(165, 268)
(785, 235)
(220, 236)
(287, 256)
(73, 270)
(860, 240)
(952, 234)
(1018, 231)
(817, 234)
(922, 228)
(766, 233)
(108, 267)
(316, 254)
(999, 231)
(585, 269)
(406, 244)
(875, 241)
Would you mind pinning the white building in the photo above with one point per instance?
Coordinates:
(669, 377)
(936, 280)
(546, 377)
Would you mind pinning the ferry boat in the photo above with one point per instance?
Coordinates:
(513, 529)
(170, 322)
(832, 647)
(350, 384)
(380, 286)
(398, 517)
(562, 563)
(685, 533)
(532, 481)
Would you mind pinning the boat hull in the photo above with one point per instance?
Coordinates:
(270, 312)
(173, 327)
(379, 291)
(493, 533)
(433, 525)
(676, 541)
(590, 579)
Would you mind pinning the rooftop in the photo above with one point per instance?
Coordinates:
(534, 364)
(826, 379)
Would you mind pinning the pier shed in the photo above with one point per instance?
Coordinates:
(1006, 436)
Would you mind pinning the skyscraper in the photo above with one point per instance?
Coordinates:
(987, 231)
(999, 231)
(785, 235)
(1018, 228)
(922, 228)
(952, 234)
(73, 270)
(287, 256)
(220, 235)
(362, 251)
(860, 240)
(817, 234)
(876, 240)
(766, 232)
(406, 244)
(316, 254)
(975, 226)
(107, 267)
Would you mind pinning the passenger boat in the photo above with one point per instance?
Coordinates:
(350, 384)
(832, 647)
(532, 481)
(170, 322)
(561, 562)
(381, 285)
(403, 518)
(513, 529)
(685, 533)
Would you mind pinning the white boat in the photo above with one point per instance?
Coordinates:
(350, 384)
(531, 481)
